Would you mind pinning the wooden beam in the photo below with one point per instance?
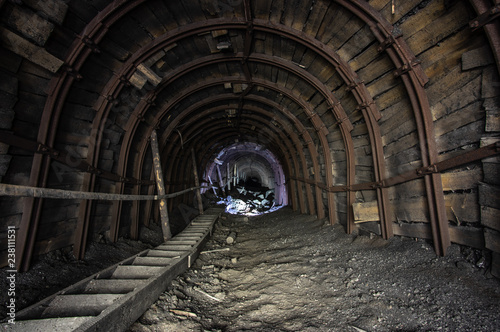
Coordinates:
(29, 51)
(220, 180)
(37, 192)
(165, 225)
(55, 10)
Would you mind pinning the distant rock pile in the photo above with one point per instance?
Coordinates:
(248, 202)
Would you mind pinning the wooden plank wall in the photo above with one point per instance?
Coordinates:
(464, 104)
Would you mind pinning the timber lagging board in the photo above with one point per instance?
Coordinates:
(114, 298)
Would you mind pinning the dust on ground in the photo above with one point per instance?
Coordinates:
(291, 272)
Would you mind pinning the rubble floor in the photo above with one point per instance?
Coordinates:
(292, 272)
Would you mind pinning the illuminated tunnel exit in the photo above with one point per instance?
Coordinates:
(250, 179)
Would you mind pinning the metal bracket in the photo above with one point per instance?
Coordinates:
(140, 117)
(124, 179)
(485, 18)
(90, 43)
(406, 68)
(427, 170)
(342, 120)
(125, 81)
(150, 100)
(353, 85)
(72, 72)
(363, 106)
(388, 42)
(44, 149)
(93, 170)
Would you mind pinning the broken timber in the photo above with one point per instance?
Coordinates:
(165, 226)
(114, 298)
(197, 182)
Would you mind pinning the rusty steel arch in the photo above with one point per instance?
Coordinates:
(400, 54)
(292, 134)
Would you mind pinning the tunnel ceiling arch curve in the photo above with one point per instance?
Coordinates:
(345, 100)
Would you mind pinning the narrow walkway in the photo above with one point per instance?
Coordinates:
(291, 272)
(114, 298)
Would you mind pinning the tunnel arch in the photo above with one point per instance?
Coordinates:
(324, 111)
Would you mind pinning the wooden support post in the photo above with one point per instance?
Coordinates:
(221, 183)
(197, 182)
(165, 226)
(228, 178)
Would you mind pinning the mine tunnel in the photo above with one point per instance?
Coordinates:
(380, 117)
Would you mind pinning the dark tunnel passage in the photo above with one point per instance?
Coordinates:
(248, 167)
(379, 117)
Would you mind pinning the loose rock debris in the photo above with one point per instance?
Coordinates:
(243, 201)
(291, 272)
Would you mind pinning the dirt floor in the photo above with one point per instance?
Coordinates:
(290, 272)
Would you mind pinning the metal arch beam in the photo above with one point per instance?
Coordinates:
(414, 80)
(334, 107)
(132, 125)
(58, 90)
(216, 132)
(141, 161)
(105, 19)
(232, 155)
(295, 190)
(215, 146)
(304, 105)
(78, 57)
(283, 159)
(294, 137)
(248, 125)
(300, 128)
(349, 146)
(298, 152)
(291, 33)
(229, 140)
(117, 205)
(135, 4)
(298, 124)
(217, 98)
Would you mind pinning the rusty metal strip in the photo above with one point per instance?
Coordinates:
(492, 29)
(457, 161)
(485, 17)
